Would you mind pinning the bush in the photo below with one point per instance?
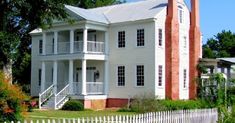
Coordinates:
(183, 104)
(11, 101)
(145, 103)
(73, 105)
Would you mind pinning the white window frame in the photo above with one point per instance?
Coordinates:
(184, 78)
(180, 14)
(140, 38)
(39, 77)
(160, 37)
(117, 75)
(121, 38)
(136, 78)
(40, 46)
(158, 82)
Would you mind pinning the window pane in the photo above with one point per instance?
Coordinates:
(121, 39)
(140, 75)
(140, 37)
(121, 76)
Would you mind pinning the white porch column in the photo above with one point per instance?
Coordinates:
(44, 43)
(106, 77)
(84, 77)
(43, 76)
(106, 35)
(85, 40)
(55, 42)
(55, 70)
(71, 41)
(71, 76)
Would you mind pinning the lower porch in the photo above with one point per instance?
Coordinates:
(78, 79)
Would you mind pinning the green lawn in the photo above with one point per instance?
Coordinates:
(57, 114)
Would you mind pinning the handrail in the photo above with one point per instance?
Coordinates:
(64, 92)
(45, 95)
(46, 90)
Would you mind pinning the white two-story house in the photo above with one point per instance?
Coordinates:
(112, 53)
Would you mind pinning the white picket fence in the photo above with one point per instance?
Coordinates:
(182, 116)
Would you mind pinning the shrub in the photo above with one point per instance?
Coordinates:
(73, 105)
(145, 103)
(183, 104)
(11, 101)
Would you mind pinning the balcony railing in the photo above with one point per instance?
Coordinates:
(91, 88)
(93, 46)
(64, 47)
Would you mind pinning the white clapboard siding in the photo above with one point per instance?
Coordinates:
(182, 116)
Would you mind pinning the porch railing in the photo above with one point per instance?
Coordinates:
(94, 46)
(49, 49)
(45, 95)
(78, 46)
(95, 88)
(92, 87)
(63, 47)
(61, 97)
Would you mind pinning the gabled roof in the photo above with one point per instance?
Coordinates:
(121, 12)
(80, 13)
(231, 59)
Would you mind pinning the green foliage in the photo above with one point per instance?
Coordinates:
(183, 104)
(222, 45)
(145, 103)
(73, 105)
(97, 3)
(11, 102)
(8, 44)
(149, 103)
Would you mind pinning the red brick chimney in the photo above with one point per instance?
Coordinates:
(194, 47)
(172, 51)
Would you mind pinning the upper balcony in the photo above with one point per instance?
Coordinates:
(70, 42)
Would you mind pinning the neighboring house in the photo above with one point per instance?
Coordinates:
(113, 53)
(219, 65)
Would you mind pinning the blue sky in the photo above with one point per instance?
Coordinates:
(215, 16)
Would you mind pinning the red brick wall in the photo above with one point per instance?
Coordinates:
(172, 51)
(116, 102)
(194, 48)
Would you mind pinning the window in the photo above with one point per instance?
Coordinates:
(121, 39)
(140, 37)
(160, 75)
(160, 37)
(53, 43)
(140, 75)
(180, 14)
(185, 42)
(185, 77)
(39, 76)
(40, 46)
(121, 75)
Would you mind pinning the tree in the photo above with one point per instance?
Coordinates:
(222, 45)
(19, 17)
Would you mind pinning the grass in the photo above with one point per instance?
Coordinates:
(59, 114)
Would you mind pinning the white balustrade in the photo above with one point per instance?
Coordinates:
(92, 87)
(95, 47)
(63, 47)
(45, 95)
(78, 46)
(61, 97)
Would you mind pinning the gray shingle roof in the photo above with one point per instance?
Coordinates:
(122, 12)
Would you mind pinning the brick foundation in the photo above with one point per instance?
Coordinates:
(116, 102)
